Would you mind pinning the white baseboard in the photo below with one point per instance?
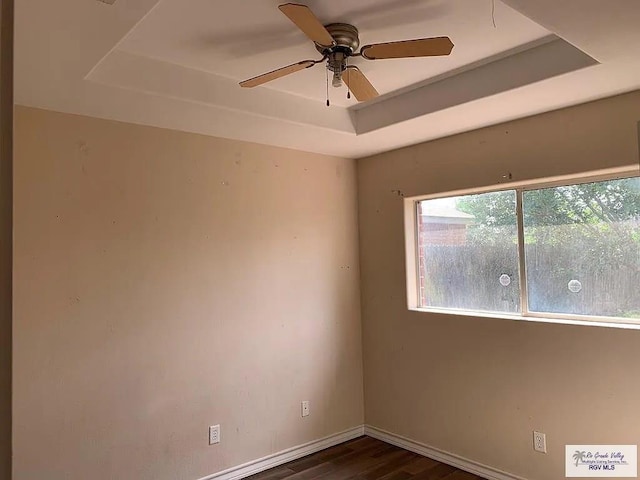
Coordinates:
(470, 466)
(280, 458)
(276, 459)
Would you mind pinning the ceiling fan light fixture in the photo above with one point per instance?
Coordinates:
(337, 63)
(337, 79)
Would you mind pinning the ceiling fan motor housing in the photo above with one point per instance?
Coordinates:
(345, 36)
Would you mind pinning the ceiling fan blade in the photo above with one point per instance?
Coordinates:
(359, 84)
(281, 72)
(423, 47)
(306, 21)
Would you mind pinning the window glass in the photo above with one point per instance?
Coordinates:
(582, 248)
(468, 252)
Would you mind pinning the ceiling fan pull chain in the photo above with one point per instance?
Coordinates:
(327, 75)
(348, 78)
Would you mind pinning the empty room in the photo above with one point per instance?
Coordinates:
(325, 240)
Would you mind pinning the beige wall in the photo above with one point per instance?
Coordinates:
(477, 387)
(6, 208)
(165, 282)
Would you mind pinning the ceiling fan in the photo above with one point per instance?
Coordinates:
(337, 42)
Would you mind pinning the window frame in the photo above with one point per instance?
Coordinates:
(411, 228)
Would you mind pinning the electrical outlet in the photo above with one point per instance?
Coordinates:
(214, 434)
(539, 442)
(305, 408)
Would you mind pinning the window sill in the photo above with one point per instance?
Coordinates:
(630, 324)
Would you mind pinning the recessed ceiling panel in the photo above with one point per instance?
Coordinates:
(245, 38)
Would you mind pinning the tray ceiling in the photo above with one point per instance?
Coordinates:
(177, 64)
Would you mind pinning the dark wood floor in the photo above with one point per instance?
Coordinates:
(364, 458)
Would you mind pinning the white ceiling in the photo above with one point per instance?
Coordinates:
(176, 64)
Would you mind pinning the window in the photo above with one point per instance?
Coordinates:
(463, 261)
(565, 251)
